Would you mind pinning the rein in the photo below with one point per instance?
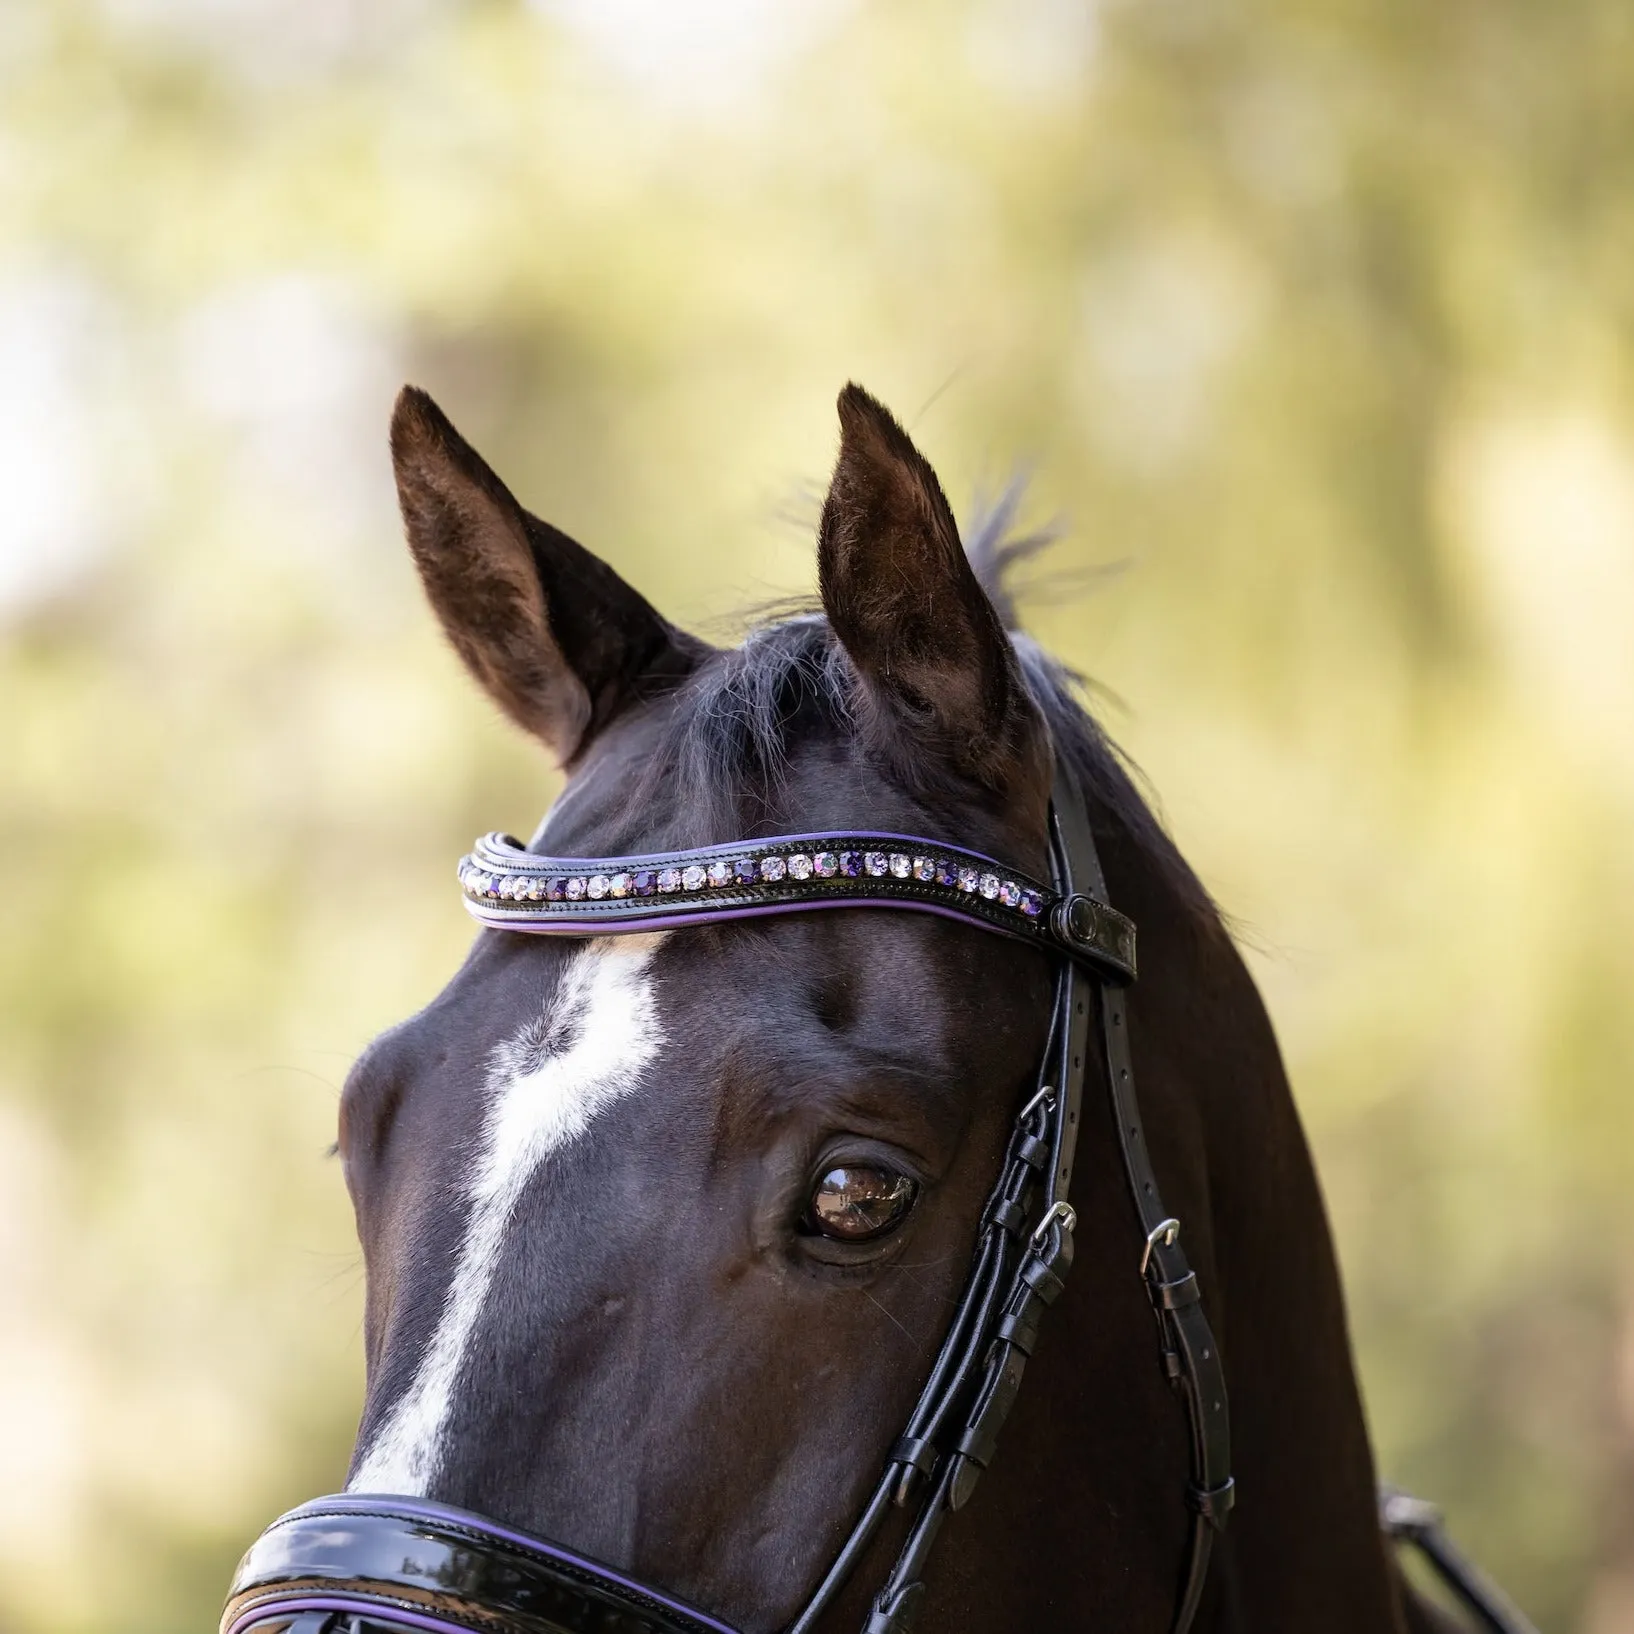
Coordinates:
(360, 1564)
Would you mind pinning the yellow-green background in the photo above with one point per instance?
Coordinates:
(1310, 318)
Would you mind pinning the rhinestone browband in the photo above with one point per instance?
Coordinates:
(508, 887)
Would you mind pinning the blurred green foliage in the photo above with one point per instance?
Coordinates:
(1313, 319)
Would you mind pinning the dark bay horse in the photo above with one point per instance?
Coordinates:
(663, 1231)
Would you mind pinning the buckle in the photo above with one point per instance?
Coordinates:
(1165, 1232)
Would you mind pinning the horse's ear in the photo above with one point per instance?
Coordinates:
(940, 683)
(550, 632)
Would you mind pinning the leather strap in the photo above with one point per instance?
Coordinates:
(1406, 1519)
(993, 1343)
(1191, 1357)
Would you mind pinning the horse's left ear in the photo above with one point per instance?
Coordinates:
(941, 687)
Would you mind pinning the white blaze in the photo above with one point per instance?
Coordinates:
(540, 1098)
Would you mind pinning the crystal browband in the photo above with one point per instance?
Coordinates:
(509, 888)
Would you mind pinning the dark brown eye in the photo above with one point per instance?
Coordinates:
(857, 1202)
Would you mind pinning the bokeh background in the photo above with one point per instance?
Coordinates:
(1313, 322)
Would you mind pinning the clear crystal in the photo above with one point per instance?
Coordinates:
(772, 868)
(575, 888)
(720, 873)
(900, 864)
(619, 884)
(924, 868)
(800, 866)
(968, 878)
(599, 886)
(990, 886)
(693, 877)
(669, 879)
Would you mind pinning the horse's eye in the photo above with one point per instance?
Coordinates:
(855, 1203)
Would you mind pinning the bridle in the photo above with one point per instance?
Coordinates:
(360, 1564)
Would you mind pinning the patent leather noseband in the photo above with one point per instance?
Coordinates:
(362, 1564)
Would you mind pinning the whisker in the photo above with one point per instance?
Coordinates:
(888, 1317)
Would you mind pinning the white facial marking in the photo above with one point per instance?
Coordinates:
(545, 1085)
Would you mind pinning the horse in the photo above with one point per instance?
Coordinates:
(666, 1225)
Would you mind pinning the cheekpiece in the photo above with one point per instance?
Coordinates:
(508, 887)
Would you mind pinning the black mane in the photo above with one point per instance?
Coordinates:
(731, 738)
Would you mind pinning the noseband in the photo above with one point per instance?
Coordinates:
(360, 1564)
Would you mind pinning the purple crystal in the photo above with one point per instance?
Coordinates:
(947, 873)
(1032, 904)
(968, 878)
(555, 888)
(693, 877)
(746, 870)
(575, 888)
(989, 886)
(1009, 893)
(826, 864)
(876, 862)
(772, 869)
(599, 886)
(620, 885)
(669, 879)
(800, 866)
(643, 882)
(850, 863)
(924, 868)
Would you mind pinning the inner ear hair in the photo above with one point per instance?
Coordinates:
(940, 690)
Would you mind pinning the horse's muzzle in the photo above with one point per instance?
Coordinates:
(360, 1564)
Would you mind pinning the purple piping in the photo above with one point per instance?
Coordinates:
(625, 926)
(364, 1503)
(584, 864)
(295, 1604)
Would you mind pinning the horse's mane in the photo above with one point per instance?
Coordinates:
(731, 737)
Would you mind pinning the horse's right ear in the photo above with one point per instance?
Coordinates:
(553, 635)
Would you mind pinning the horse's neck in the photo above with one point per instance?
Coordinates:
(1303, 1549)
(1082, 1520)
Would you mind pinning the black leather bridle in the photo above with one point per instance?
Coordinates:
(364, 1564)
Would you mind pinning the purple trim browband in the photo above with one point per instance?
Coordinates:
(507, 887)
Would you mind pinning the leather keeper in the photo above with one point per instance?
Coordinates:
(1021, 1330)
(914, 1453)
(1213, 1503)
(1035, 1153)
(1176, 1295)
(1039, 1275)
(1008, 1215)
